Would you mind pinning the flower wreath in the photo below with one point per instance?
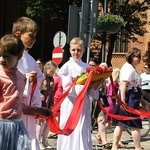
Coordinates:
(98, 73)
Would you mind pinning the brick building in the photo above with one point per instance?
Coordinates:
(11, 10)
(119, 59)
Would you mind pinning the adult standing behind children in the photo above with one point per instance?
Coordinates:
(105, 121)
(112, 90)
(94, 108)
(26, 29)
(130, 93)
(80, 138)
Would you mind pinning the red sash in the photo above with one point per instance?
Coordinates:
(77, 109)
(33, 90)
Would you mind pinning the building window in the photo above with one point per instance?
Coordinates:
(121, 45)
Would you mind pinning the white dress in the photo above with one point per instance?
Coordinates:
(25, 65)
(80, 138)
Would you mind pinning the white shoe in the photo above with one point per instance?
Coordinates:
(46, 144)
(42, 147)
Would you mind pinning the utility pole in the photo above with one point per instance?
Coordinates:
(88, 22)
(92, 25)
(104, 34)
(82, 22)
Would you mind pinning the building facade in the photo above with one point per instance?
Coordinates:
(11, 10)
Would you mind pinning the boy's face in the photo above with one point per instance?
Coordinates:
(8, 61)
(28, 39)
(76, 51)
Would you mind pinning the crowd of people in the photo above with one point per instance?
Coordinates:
(31, 88)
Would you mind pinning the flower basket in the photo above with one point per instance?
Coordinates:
(110, 28)
(99, 73)
(109, 23)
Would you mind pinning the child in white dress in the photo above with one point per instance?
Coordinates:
(26, 29)
(80, 138)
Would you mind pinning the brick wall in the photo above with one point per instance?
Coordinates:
(119, 59)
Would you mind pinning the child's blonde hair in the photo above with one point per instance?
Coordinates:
(48, 65)
(55, 74)
(24, 24)
(77, 40)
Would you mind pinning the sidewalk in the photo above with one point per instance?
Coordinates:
(126, 139)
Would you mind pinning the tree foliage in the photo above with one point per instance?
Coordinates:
(133, 12)
(135, 15)
(55, 9)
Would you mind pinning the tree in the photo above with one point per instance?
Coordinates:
(133, 12)
(135, 16)
(54, 9)
(54, 15)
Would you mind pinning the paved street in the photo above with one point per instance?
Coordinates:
(126, 139)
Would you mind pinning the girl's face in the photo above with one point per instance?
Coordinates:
(28, 39)
(76, 51)
(50, 72)
(8, 61)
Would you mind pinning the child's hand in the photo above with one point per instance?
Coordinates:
(32, 76)
(43, 111)
(34, 110)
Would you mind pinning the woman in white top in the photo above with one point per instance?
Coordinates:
(130, 93)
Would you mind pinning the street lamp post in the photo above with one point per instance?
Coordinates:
(104, 35)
